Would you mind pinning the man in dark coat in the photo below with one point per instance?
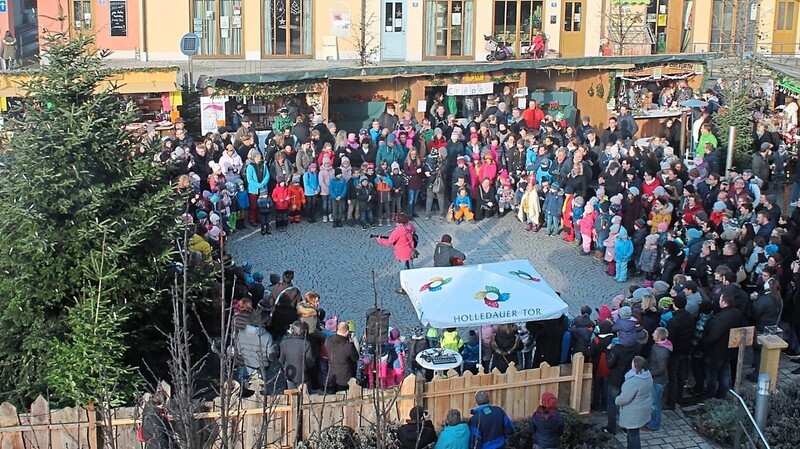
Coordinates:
(418, 432)
(156, 430)
(342, 358)
(715, 347)
(296, 357)
(681, 331)
(283, 301)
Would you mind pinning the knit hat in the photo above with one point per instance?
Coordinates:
(719, 206)
(549, 400)
(326, 160)
(578, 201)
(600, 192)
(247, 266)
(701, 216)
(666, 302)
(214, 232)
(640, 293)
(689, 188)
(362, 179)
(694, 233)
(616, 302)
(662, 227)
(605, 327)
(331, 323)
(623, 232)
(616, 199)
(604, 313)
(616, 220)
(651, 239)
(394, 334)
(634, 191)
(625, 312)
(395, 165)
(258, 277)
(337, 171)
(660, 287)
(390, 138)
(772, 198)
(295, 180)
(659, 191)
(281, 179)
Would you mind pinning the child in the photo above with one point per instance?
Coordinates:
(352, 205)
(586, 225)
(398, 180)
(264, 204)
(280, 196)
(392, 367)
(609, 243)
(296, 199)
(243, 201)
(383, 191)
(522, 186)
(364, 195)
(602, 228)
(566, 214)
(311, 190)
(577, 213)
(506, 196)
(625, 327)
(530, 208)
(553, 203)
(623, 251)
(470, 353)
(648, 260)
(338, 194)
(462, 206)
(326, 174)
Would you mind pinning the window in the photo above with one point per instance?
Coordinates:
(449, 28)
(572, 16)
(82, 14)
(517, 21)
(218, 23)
(784, 19)
(287, 28)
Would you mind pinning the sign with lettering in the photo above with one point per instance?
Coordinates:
(118, 12)
(470, 89)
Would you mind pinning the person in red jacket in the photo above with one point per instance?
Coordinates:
(297, 199)
(533, 115)
(402, 239)
(280, 196)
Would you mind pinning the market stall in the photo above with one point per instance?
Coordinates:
(474, 295)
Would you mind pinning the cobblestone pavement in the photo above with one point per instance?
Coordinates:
(338, 263)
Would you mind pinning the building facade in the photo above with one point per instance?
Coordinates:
(420, 30)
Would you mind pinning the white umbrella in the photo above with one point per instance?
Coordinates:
(474, 295)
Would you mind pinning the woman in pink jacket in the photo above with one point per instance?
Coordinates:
(402, 238)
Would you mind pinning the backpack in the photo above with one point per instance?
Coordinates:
(414, 243)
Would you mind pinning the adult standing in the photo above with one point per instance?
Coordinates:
(257, 175)
(547, 423)
(635, 400)
(402, 239)
(489, 426)
(658, 362)
(342, 358)
(413, 169)
(296, 357)
(680, 329)
(282, 302)
(715, 346)
(9, 50)
(435, 171)
(156, 430)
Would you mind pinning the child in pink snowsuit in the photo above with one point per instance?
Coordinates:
(392, 366)
(586, 225)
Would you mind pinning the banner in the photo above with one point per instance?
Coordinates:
(470, 89)
(212, 113)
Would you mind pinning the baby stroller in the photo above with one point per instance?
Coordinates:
(536, 49)
(498, 51)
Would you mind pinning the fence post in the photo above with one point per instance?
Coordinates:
(577, 382)
(92, 426)
(737, 436)
(762, 401)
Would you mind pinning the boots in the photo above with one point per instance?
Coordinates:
(529, 227)
(393, 217)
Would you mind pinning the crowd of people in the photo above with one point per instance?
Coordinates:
(712, 248)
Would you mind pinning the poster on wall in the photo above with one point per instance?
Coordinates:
(470, 89)
(118, 19)
(341, 24)
(212, 113)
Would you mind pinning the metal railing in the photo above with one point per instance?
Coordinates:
(779, 50)
(755, 439)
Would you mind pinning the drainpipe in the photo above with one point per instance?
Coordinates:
(142, 31)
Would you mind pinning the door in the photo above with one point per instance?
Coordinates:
(573, 33)
(784, 37)
(393, 31)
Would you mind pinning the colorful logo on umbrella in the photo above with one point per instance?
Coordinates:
(492, 296)
(524, 276)
(435, 284)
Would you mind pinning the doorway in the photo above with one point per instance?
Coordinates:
(393, 30)
(573, 35)
(784, 38)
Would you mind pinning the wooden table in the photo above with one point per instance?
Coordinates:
(650, 123)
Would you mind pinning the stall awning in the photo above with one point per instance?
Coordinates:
(147, 88)
(146, 81)
(10, 85)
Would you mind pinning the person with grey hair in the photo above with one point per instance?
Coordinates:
(489, 425)
(296, 356)
(455, 434)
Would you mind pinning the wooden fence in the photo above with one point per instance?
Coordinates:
(297, 413)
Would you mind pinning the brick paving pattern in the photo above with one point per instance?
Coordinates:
(338, 263)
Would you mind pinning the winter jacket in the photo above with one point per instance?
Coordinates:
(581, 334)
(504, 350)
(553, 203)
(658, 360)
(635, 400)
(325, 176)
(296, 358)
(402, 239)
(311, 183)
(681, 331)
(648, 260)
(547, 428)
(626, 331)
(530, 206)
(199, 244)
(765, 312)
(619, 360)
(257, 179)
(256, 347)
(416, 435)
(443, 253)
(338, 188)
(280, 196)
(489, 427)
(454, 437)
(389, 154)
(342, 359)
(717, 331)
(462, 201)
(663, 215)
(623, 250)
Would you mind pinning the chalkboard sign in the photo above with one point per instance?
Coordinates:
(119, 18)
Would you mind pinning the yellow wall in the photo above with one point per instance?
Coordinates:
(165, 23)
(553, 32)
(484, 18)
(593, 23)
(415, 24)
(701, 26)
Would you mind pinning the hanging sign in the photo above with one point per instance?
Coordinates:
(118, 13)
(470, 89)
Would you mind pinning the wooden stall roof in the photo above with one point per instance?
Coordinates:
(128, 81)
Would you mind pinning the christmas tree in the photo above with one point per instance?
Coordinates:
(85, 226)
